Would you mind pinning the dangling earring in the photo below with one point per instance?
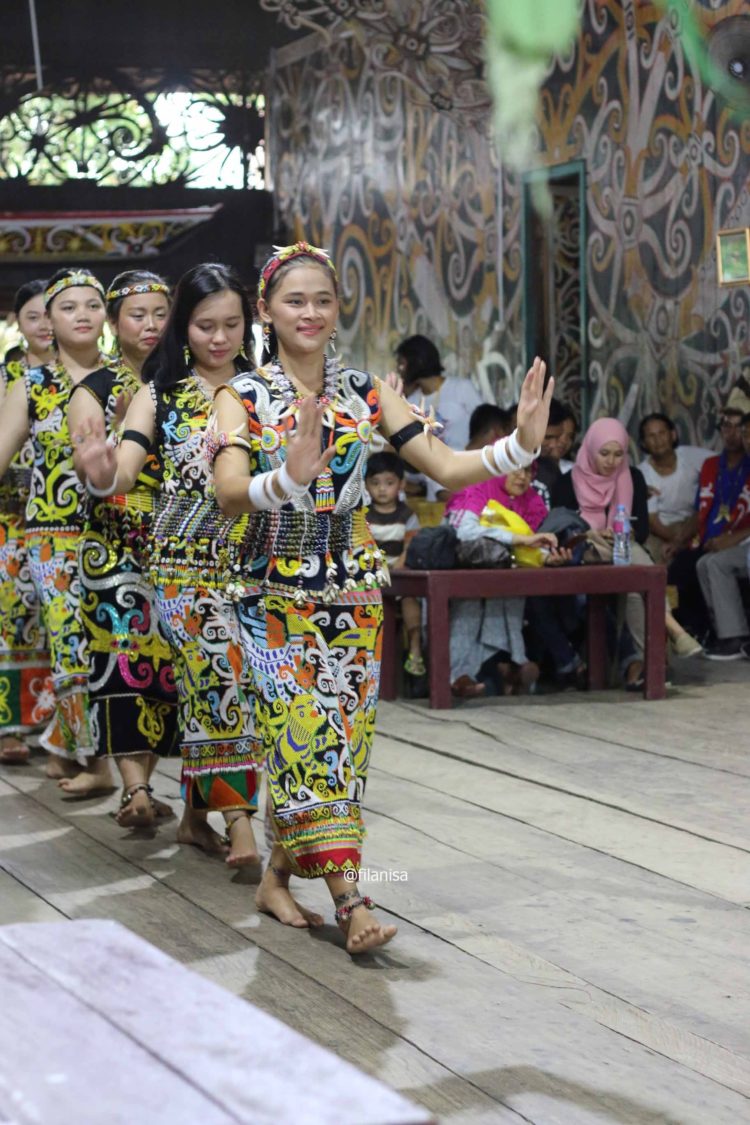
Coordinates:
(267, 329)
(332, 339)
(187, 356)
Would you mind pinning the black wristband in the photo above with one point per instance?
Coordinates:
(406, 433)
(138, 437)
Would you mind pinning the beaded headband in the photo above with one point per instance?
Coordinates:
(140, 287)
(82, 278)
(284, 254)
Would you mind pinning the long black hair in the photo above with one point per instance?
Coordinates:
(168, 364)
(26, 293)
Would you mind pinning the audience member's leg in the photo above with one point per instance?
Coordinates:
(466, 623)
(544, 616)
(719, 573)
(691, 612)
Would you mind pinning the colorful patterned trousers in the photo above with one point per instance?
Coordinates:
(221, 754)
(27, 699)
(316, 672)
(53, 561)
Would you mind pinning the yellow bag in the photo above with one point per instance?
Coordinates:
(497, 515)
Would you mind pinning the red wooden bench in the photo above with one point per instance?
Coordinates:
(438, 587)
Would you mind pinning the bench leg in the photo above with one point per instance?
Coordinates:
(654, 686)
(438, 646)
(388, 662)
(596, 641)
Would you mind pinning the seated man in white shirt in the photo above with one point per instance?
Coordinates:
(672, 472)
(453, 399)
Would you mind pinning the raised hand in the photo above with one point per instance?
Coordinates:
(304, 459)
(94, 456)
(533, 406)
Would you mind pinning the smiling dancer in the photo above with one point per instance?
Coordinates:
(132, 696)
(56, 512)
(193, 547)
(292, 442)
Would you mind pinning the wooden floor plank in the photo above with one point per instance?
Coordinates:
(37, 1021)
(436, 979)
(86, 879)
(19, 904)
(703, 724)
(244, 1072)
(697, 799)
(715, 868)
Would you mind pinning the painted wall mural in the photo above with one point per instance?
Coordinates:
(427, 231)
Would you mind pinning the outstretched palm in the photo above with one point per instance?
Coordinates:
(304, 459)
(94, 455)
(533, 406)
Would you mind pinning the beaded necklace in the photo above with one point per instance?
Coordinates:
(284, 386)
(325, 493)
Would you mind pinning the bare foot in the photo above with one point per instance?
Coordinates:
(274, 897)
(13, 752)
(58, 767)
(243, 850)
(137, 808)
(363, 932)
(200, 834)
(162, 810)
(89, 782)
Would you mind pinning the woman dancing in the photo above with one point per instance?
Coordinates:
(55, 515)
(26, 698)
(193, 548)
(292, 441)
(132, 697)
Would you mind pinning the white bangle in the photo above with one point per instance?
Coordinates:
(262, 494)
(289, 485)
(506, 455)
(520, 455)
(264, 497)
(487, 461)
(102, 493)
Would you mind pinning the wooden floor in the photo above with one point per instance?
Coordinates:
(574, 940)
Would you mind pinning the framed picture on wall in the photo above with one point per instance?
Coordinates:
(733, 256)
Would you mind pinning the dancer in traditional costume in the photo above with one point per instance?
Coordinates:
(291, 444)
(56, 513)
(26, 697)
(132, 696)
(192, 547)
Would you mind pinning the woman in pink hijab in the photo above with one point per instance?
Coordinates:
(601, 479)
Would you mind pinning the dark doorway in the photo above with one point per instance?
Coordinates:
(555, 279)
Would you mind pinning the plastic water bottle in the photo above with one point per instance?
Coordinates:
(621, 532)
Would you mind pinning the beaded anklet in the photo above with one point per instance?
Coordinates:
(344, 913)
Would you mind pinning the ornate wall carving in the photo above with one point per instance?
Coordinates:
(410, 202)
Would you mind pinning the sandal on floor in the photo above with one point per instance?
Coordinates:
(415, 665)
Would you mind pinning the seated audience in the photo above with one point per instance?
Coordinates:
(393, 524)
(451, 398)
(671, 472)
(567, 440)
(602, 479)
(548, 463)
(708, 591)
(493, 628)
(719, 573)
